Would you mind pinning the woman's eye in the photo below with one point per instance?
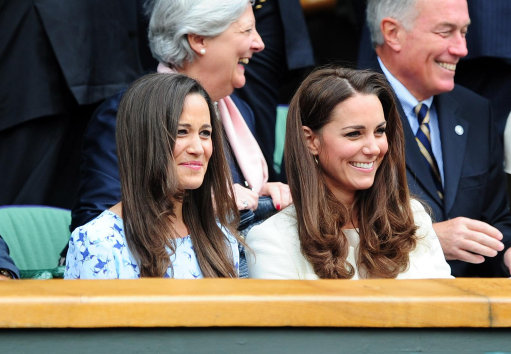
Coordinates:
(205, 133)
(181, 132)
(381, 131)
(353, 134)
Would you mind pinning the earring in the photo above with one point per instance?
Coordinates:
(202, 51)
(316, 160)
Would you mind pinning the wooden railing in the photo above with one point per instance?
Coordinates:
(481, 303)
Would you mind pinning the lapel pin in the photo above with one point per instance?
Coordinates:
(459, 130)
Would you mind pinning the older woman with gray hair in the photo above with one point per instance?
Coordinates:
(210, 41)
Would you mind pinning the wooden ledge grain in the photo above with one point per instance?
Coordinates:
(255, 303)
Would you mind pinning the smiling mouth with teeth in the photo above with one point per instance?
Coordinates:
(243, 61)
(451, 67)
(362, 164)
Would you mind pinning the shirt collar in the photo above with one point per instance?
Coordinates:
(407, 100)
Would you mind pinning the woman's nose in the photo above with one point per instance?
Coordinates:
(195, 146)
(371, 147)
(257, 42)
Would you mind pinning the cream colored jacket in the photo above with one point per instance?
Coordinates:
(275, 249)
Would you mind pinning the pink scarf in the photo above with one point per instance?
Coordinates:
(243, 144)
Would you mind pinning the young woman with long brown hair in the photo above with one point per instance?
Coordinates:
(352, 215)
(172, 164)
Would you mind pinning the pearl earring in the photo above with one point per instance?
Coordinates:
(202, 51)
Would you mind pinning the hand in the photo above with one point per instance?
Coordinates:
(279, 193)
(468, 240)
(507, 259)
(245, 198)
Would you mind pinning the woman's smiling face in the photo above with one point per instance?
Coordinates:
(351, 146)
(227, 53)
(193, 147)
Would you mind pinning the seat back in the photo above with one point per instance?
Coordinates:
(280, 135)
(35, 234)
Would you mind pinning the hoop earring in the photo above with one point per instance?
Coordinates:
(202, 51)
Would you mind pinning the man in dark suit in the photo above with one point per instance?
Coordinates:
(7, 268)
(486, 69)
(59, 60)
(453, 155)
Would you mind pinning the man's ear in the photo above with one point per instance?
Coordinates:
(196, 42)
(391, 30)
(311, 140)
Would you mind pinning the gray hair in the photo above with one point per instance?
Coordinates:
(172, 20)
(405, 11)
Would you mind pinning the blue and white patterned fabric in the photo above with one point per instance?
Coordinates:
(98, 250)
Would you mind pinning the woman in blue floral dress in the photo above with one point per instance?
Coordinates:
(172, 165)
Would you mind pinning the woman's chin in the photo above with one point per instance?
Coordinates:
(239, 82)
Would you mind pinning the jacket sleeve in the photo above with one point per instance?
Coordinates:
(6, 261)
(99, 172)
(427, 260)
(271, 251)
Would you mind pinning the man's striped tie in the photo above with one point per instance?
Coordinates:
(423, 139)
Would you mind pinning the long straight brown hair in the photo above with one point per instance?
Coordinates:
(385, 220)
(147, 123)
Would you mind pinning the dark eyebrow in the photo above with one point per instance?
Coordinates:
(187, 125)
(354, 127)
(363, 127)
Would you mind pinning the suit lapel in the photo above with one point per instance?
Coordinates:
(454, 141)
(415, 163)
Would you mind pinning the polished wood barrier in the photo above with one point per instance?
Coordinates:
(255, 303)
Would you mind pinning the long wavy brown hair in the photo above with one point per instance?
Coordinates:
(147, 124)
(383, 212)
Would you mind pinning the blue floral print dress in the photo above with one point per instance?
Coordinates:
(98, 250)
